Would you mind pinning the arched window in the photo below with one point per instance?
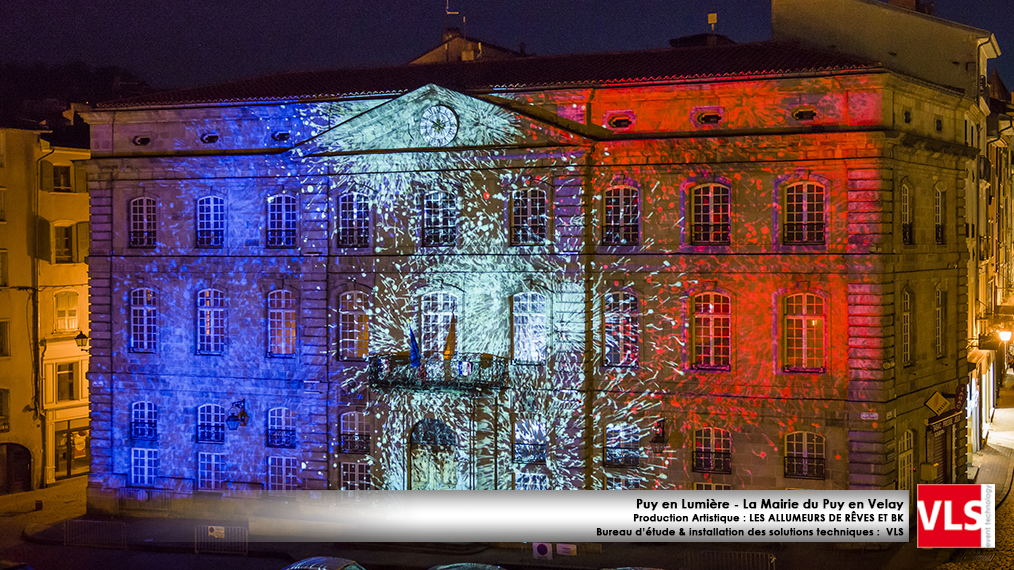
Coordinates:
(804, 333)
(439, 310)
(210, 424)
(282, 217)
(906, 328)
(353, 326)
(281, 428)
(530, 442)
(622, 331)
(906, 463)
(210, 221)
(281, 323)
(939, 215)
(621, 225)
(710, 211)
(712, 332)
(528, 219)
(66, 311)
(440, 219)
(353, 225)
(210, 321)
(143, 420)
(907, 233)
(529, 327)
(712, 450)
(940, 322)
(142, 222)
(804, 213)
(804, 455)
(143, 320)
(355, 433)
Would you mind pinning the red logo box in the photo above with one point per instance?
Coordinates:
(956, 516)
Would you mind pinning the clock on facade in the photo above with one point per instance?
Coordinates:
(438, 126)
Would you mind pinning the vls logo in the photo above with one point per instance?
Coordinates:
(956, 516)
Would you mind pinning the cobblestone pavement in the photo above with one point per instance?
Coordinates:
(61, 501)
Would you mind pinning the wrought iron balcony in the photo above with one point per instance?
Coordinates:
(801, 467)
(143, 429)
(712, 462)
(622, 457)
(210, 433)
(282, 438)
(460, 372)
(354, 443)
(530, 453)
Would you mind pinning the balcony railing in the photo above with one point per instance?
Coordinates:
(622, 457)
(210, 433)
(140, 429)
(712, 462)
(711, 234)
(801, 467)
(142, 238)
(281, 238)
(354, 443)
(530, 453)
(939, 233)
(281, 438)
(804, 233)
(460, 372)
(907, 235)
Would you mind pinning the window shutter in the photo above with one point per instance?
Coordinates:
(80, 178)
(84, 240)
(43, 248)
(47, 176)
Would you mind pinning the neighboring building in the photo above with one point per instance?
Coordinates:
(456, 47)
(44, 233)
(681, 268)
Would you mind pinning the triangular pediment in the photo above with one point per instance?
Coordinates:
(433, 118)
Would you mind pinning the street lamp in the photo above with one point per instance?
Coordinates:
(1004, 336)
(82, 340)
(237, 415)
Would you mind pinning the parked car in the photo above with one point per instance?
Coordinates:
(324, 563)
(466, 566)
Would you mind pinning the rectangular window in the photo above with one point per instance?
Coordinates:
(528, 220)
(616, 483)
(143, 466)
(211, 222)
(61, 179)
(622, 225)
(143, 320)
(282, 473)
(282, 221)
(622, 445)
(356, 477)
(3, 199)
(804, 455)
(66, 310)
(210, 321)
(5, 413)
(939, 321)
(440, 219)
(63, 244)
(531, 482)
(66, 382)
(438, 314)
(5, 338)
(530, 444)
(939, 210)
(907, 233)
(622, 331)
(142, 222)
(209, 471)
(711, 487)
(804, 333)
(353, 326)
(906, 328)
(712, 331)
(281, 323)
(353, 220)
(804, 213)
(529, 327)
(712, 451)
(710, 203)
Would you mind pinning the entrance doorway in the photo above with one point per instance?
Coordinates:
(432, 462)
(15, 468)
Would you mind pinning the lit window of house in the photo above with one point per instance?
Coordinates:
(353, 220)
(712, 450)
(939, 211)
(804, 213)
(66, 311)
(353, 326)
(210, 222)
(438, 313)
(530, 444)
(712, 332)
(528, 218)
(440, 219)
(210, 321)
(282, 221)
(531, 482)
(142, 222)
(804, 333)
(281, 323)
(529, 327)
(209, 470)
(356, 477)
(622, 216)
(66, 382)
(355, 433)
(710, 210)
(143, 466)
(281, 428)
(282, 473)
(804, 455)
(143, 316)
(622, 447)
(211, 424)
(143, 420)
(622, 331)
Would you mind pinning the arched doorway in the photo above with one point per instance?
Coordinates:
(432, 462)
(15, 468)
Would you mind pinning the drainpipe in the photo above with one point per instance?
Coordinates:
(38, 354)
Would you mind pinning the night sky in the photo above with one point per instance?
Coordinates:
(184, 43)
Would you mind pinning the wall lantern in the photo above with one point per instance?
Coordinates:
(237, 415)
(82, 340)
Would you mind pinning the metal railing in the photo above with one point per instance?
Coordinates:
(801, 467)
(622, 457)
(210, 433)
(210, 238)
(354, 443)
(142, 238)
(140, 429)
(143, 499)
(712, 462)
(461, 372)
(285, 438)
(530, 453)
(221, 539)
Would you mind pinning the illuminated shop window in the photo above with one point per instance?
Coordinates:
(66, 311)
(907, 231)
(528, 218)
(712, 450)
(619, 483)
(712, 333)
(210, 321)
(143, 466)
(282, 221)
(622, 332)
(440, 219)
(63, 244)
(622, 217)
(281, 323)
(210, 222)
(282, 474)
(209, 470)
(804, 333)
(712, 487)
(211, 424)
(622, 447)
(143, 314)
(438, 314)
(804, 213)
(66, 382)
(529, 327)
(804, 455)
(281, 428)
(353, 220)
(530, 444)
(710, 224)
(939, 208)
(531, 482)
(906, 328)
(939, 321)
(355, 433)
(353, 326)
(356, 477)
(142, 222)
(143, 420)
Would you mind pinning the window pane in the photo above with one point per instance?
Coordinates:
(353, 220)
(621, 225)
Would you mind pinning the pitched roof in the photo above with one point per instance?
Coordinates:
(650, 66)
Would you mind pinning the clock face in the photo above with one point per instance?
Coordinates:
(439, 125)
